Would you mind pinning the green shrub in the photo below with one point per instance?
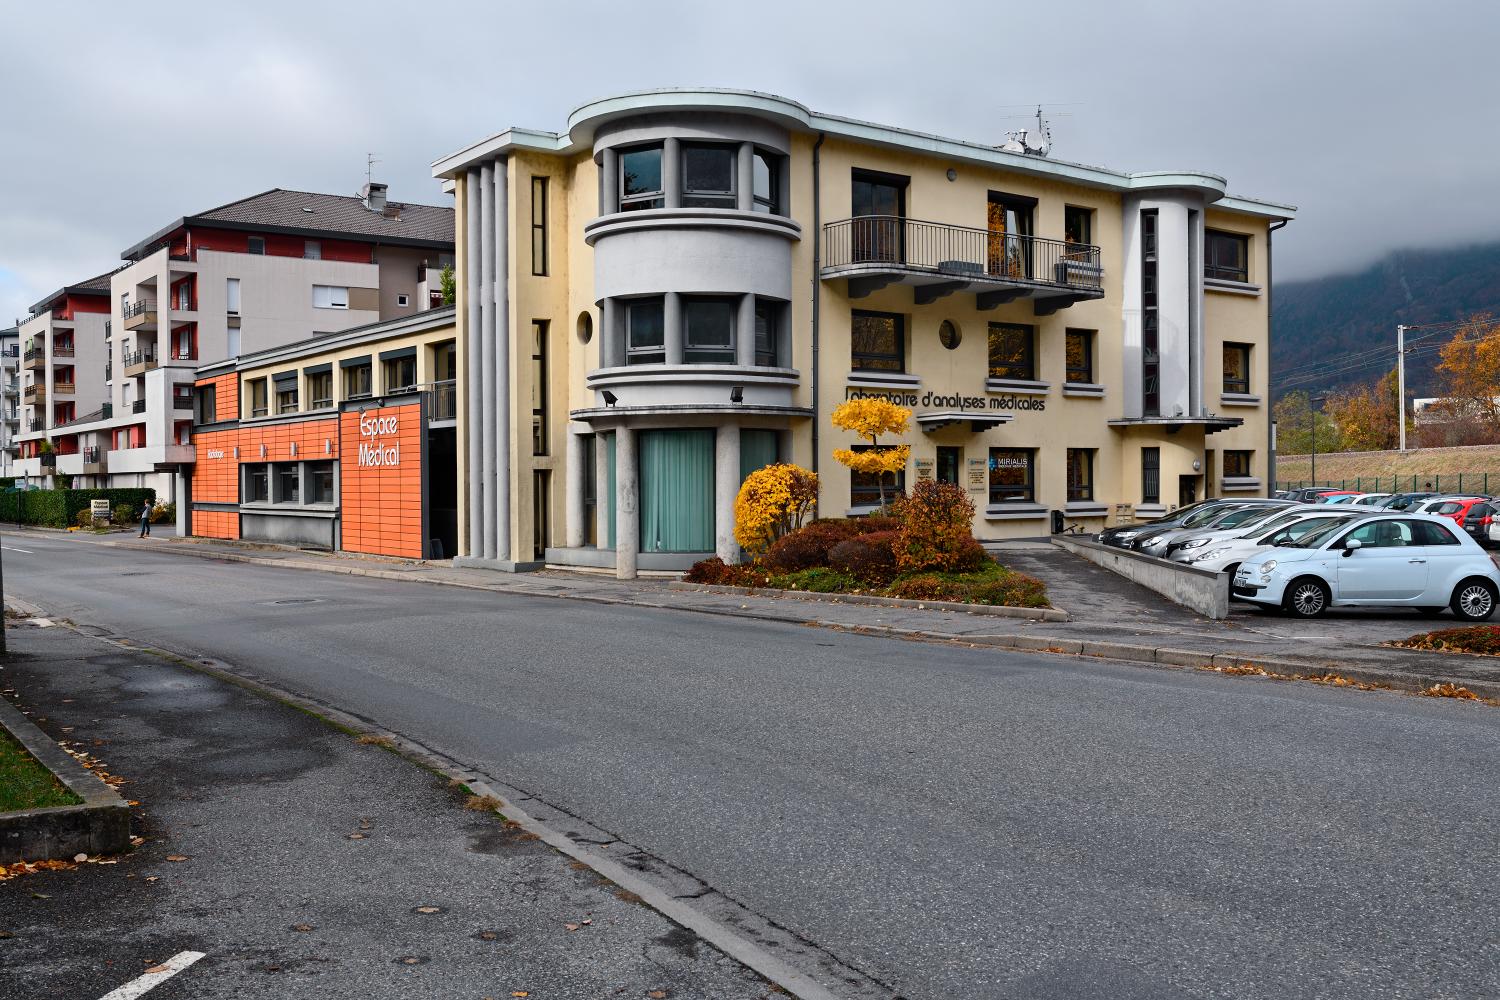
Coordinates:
(926, 587)
(817, 580)
(869, 558)
(59, 508)
(85, 519)
(1012, 589)
(124, 513)
(164, 513)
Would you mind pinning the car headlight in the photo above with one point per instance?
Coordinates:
(1210, 554)
(1267, 566)
(1196, 543)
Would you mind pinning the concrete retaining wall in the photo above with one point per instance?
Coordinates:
(1199, 589)
(99, 825)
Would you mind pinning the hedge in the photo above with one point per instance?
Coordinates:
(59, 508)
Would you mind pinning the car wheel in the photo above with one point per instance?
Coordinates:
(1307, 597)
(1474, 600)
(1430, 612)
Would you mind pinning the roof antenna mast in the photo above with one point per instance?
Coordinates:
(370, 162)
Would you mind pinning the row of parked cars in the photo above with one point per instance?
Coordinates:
(1305, 553)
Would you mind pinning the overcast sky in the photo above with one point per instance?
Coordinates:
(1375, 117)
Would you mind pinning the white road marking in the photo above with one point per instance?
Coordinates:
(12, 548)
(150, 980)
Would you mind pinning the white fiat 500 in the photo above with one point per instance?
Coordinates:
(1395, 560)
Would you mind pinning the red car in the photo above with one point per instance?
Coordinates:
(1456, 508)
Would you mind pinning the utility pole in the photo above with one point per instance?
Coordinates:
(1401, 387)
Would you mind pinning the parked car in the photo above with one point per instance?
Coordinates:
(1199, 518)
(1335, 496)
(1370, 499)
(1456, 508)
(1401, 501)
(1479, 521)
(1224, 555)
(1384, 560)
(1310, 494)
(1234, 522)
(1121, 535)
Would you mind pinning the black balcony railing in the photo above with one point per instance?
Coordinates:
(892, 242)
(32, 354)
(109, 325)
(139, 406)
(444, 400)
(182, 402)
(145, 355)
(109, 371)
(106, 410)
(49, 459)
(36, 425)
(139, 308)
(12, 351)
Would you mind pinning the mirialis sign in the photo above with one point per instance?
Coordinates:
(373, 451)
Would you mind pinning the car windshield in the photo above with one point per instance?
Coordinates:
(1318, 536)
(1291, 533)
(1282, 520)
(1245, 516)
(1203, 516)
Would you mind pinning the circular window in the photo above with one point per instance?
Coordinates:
(948, 334)
(585, 327)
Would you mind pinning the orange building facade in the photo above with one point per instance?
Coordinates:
(340, 442)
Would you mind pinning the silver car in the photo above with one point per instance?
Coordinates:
(1241, 511)
(1245, 521)
(1226, 554)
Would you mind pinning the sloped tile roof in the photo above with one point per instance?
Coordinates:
(282, 209)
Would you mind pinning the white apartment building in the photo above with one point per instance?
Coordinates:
(10, 399)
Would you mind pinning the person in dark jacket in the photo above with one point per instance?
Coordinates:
(146, 519)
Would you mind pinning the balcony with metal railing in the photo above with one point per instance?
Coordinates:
(93, 460)
(444, 401)
(34, 358)
(62, 349)
(140, 361)
(36, 425)
(35, 393)
(937, 259)
(139, 406)
(140, 315)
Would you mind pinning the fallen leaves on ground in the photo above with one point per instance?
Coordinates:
(657, 994)
(157, 969)
(482, 803)
(20, 868)
(176, 857)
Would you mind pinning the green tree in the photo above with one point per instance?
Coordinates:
(450, 285)
(1294, 426)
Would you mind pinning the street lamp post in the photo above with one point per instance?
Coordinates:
(1313, 414)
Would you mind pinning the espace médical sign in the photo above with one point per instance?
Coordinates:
(912, 400)
(374, 450)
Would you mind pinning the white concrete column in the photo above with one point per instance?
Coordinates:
(671, 172)
(627, 504)
(612, 334)
(574, 528)
(602, 497)
(726, 488)
(672, 332)
(487, 357)
(184, 501)
(744, 193)
(744, 332)
(609, 182)
(473, 369)
(503, 346)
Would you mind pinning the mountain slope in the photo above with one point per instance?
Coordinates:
(1321, 321)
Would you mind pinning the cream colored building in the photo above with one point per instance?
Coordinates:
(682, 285)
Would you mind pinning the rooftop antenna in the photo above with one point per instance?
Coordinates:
(370, 162)
(1029, 142)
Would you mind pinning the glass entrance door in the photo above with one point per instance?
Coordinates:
(879, 211)
(1010, 237)
(949, 460)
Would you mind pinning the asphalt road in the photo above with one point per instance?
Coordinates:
(956, 823)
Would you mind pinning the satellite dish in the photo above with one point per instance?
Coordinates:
(1030, 142)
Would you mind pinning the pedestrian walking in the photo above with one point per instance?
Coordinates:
(146, 519)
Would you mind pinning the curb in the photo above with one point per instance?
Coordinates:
(100, 824)
(1003, 611)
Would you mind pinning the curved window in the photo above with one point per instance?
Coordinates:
(708, 330)
(708, 176)
(767, 181)
(767, 350)
(640, 179)
(644, 328)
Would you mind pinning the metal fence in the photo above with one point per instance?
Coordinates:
(1454, 482)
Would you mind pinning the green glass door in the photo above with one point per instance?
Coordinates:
(677, 491)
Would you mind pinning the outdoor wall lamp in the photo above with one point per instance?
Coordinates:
(1197, 464)
(737, 394)
(610, 399)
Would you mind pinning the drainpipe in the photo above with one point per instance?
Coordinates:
(816, 289)
(1270, 401)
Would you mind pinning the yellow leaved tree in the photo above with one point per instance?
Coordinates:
(773, 501)
(870, 418)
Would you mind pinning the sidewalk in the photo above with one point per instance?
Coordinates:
(1109, 617)
(302, 863)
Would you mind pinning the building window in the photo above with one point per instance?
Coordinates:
(767, 182)
(949, 335)
(878, 342)
(767, 314)
(1150, 475)
(357, 381)
(1150, 330)
(403, 301)
(286, 395)
(1078, 228)
(1080, 475)
(320, 482)
(864, 487)
(708, 176)
(312, 250)
(399, 374)
(1013, 352)
(1080, 356)
(1237, 368)
(644, 324)
(288, 482)
(257, 484)
(256, 245)
(539, 225)
(259, 405)
(320, 389)
(232, 296)
(206, 404)
(640, 179)
(1237, 464)
(1009, 236)
(330, 297)
(539, 387)
(878, 205)
(1012, 475)
(1226, 256)
(708, 330)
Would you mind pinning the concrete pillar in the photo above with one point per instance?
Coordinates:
(726, 488)
(602, 498)
(184, 502)
(744, 332)
(573, 514)
(611, 334)
(487, 357)
(744, 191)
(671, 172)
(627, 504)
(503, 346)
(473, 368)
(609, 182)
(672, 328)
